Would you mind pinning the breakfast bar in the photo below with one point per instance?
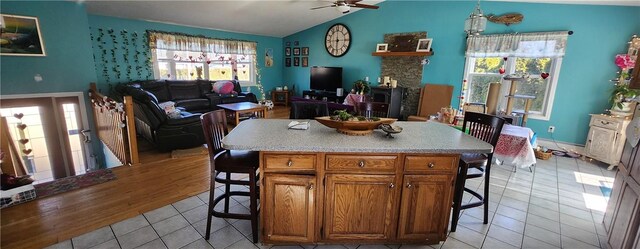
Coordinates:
(321, 186)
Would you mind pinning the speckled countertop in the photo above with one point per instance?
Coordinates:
(416, 137)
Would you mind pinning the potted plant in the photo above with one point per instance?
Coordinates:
(620, 97)
(362, 87)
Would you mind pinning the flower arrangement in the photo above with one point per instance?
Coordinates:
(624, 62)
(361, 86)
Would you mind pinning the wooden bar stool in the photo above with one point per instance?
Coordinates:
(224, 161)
(486, 128)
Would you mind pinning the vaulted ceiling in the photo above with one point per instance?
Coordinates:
(276, 18)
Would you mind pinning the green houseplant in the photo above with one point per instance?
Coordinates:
(361, 86)
(620, 94)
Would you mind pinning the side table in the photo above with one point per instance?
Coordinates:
(280, 97)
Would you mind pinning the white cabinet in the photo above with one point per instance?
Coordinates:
(606, 138)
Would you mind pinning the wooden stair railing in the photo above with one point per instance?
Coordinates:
(115, 125)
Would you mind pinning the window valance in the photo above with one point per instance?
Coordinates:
(531, 45)
(184, 42)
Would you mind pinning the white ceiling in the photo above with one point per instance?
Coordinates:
(278, 18)
(271, 18)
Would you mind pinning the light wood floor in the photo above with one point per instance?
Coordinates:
(156, 182)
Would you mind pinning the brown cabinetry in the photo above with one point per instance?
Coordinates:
(359, 207)
(289, 208)
(423, 214)
(355, 197)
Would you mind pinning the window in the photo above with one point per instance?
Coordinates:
(185, 65)
(529, 54)
(179, 56)
(482, 71)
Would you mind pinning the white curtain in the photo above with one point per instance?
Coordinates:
(182, 42)
(531, 45)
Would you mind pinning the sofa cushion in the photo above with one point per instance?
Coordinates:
(184, 90)
(205, 87)
(223, 87)
(158, 88)
(193, 104)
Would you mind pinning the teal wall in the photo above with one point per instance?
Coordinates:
(601, 32)
(271, 76)
(68, 66)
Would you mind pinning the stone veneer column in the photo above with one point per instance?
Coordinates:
(407, 70)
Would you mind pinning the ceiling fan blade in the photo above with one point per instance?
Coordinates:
(364, 6)
(322, 7)
(352, 1)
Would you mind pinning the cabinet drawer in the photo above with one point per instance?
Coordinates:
(605, 123)
(431, 163)
(365, 163)
(289, 162)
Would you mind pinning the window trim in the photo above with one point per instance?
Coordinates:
(205, 67)
(554, 73)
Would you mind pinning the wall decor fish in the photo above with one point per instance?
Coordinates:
(506, 19)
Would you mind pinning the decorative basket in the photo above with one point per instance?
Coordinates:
(542, 155)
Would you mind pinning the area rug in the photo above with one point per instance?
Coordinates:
(197, 151)
(74, 182)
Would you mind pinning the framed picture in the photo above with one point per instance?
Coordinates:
(287, 51)
(382, 47)
(21, 36)
(305, 61)
(296, 61)
(288, 44)
(296, 43)
(305, 51)
(424, 45)
(268, 57)
(287, 62)
(296, 51)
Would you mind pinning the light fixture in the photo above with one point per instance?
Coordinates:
(343, 8)
(476, 23)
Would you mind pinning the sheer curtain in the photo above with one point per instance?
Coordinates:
(530, 45)
(183, 42)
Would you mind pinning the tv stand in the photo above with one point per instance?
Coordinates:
(319, 95)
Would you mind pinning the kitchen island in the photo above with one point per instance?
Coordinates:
(320, 186)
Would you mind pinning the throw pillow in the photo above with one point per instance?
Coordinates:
(170, 109)
(222, 87)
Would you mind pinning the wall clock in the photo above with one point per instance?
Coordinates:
(337, 41)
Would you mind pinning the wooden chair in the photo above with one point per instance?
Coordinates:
(226, 162)
(486, 128)
(375, 109)
(308, 110)
(432, 98)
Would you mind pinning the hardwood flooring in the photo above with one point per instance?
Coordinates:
(157, 181)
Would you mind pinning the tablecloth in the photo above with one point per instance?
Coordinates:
(514, 146)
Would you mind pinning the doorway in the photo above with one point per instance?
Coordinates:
(47, 132)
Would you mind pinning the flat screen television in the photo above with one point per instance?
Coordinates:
(326, 78)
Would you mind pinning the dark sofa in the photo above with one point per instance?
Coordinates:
(192, 98)
(193, 95)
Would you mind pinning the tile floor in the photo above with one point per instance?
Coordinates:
(558, 205)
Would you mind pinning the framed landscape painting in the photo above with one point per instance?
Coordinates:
(20, 36)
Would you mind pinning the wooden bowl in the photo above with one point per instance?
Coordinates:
(354, 128)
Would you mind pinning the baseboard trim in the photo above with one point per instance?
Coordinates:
(578, 148)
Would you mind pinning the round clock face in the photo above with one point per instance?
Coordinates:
(338, 40)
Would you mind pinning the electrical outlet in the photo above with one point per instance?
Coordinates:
(551, 129)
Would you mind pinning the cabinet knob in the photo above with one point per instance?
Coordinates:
(289, 163)
(431, 165)
(391, 185)
(409, 185)
(311, 186)
(361, 163)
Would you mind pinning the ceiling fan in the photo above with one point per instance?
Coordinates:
(344, 6)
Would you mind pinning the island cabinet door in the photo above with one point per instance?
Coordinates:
(289, 208)
(359, 207)
(424, 207)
